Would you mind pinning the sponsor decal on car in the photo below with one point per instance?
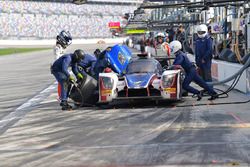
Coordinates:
(121, 58)
(106, 92)
(170, 90)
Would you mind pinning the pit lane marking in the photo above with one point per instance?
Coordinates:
(242, 123)
(26, 107)
(120, 146)
(193, 126)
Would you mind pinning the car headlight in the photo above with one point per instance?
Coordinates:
(106, 82)
(168, 80)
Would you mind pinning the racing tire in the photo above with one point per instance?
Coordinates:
(85, 93)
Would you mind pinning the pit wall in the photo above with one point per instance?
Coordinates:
(4, 43)
(222, 70)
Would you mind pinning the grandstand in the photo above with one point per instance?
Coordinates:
(44, 19)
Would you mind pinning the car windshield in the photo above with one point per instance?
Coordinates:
(141, 67)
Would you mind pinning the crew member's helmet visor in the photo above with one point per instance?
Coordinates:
(201, 32)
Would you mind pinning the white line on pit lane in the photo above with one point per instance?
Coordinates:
(21, 111)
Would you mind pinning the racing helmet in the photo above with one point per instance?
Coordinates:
(202, 30)
(78, 56)
(97, 52)
(160, 34)
(174, 47)
(64, 38)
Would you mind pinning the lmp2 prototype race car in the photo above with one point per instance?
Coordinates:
(138, 78)
(131, 78)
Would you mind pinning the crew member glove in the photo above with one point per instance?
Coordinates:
(79, 76)
(108, 48)
(71, 78)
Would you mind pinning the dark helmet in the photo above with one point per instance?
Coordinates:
(78, 55)
(64, 38)
(97, 52)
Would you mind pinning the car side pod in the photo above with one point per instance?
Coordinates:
(171, 85)
(107, 82)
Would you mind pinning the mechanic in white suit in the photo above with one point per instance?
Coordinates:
(63, 40)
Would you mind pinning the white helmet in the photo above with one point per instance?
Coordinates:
(174, 47)
(202, 30)
(160, 34)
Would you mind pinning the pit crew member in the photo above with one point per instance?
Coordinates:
(60, 71)
(182, 60)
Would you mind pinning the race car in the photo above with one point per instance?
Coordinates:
(131, 78)
(141, 78)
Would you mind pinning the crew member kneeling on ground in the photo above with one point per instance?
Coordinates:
(60, 70)
(191, 73)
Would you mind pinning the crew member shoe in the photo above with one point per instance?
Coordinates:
(204, 92)
(213, 97)
(65, 105)
(199, 96)
(68, 107)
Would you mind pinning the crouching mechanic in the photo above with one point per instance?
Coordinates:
(86, 65)
(101, 63)
(191, 73)
(60, 70)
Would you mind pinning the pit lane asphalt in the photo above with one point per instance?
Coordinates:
(137, 134)
(25, 75)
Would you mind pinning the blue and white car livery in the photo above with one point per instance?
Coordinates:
(137, 78)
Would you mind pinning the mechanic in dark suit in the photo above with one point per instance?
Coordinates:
(60, 70)
(182, 60)
(101, 63)
(86, 65)
(204, 52)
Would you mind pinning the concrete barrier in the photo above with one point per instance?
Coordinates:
(222, 70)
(4, 43)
